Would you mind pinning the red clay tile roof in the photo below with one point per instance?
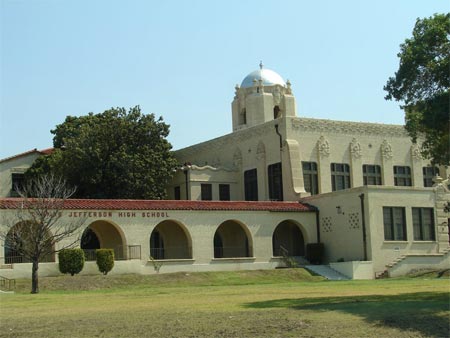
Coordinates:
(85, 204)
(29, 152)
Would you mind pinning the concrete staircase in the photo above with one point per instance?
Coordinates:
(385, 273)
(327, 272)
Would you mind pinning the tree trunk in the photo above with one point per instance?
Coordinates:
(35, 277)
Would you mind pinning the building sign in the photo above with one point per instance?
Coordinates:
(119, 214)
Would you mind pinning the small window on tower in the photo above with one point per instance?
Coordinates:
(243, 117)
(276, 112)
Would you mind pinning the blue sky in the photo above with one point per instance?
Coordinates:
(182, 59)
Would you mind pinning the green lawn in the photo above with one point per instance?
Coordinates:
(279, 303)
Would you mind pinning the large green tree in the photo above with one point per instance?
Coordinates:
(115, 154)
(422, 84)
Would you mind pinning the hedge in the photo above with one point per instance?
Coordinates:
(105, 260)
(71, 261)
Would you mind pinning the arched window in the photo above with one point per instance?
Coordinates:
(156, 245)
(243, 116)
(19, 244)
(276, 112)
(170, 240)
(287, 239)
(89, 243)
(232, 240)
(103, 235)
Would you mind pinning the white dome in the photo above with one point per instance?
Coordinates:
(268, 77)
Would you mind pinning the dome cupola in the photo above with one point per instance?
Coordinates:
(268, 77)
(262, 97)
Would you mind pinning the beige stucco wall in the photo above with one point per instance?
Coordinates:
(355, 269)
(340, 219)
(199, 226)
(312, 140)
(343, 237)
(14, 165)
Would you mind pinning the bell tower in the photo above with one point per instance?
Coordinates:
(262, 96)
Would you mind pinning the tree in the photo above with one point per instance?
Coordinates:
(422, 83)
(37, 226)
(115, 154)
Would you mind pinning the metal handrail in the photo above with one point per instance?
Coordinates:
(4, 281)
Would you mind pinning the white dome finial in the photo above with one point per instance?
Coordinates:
(261, 65)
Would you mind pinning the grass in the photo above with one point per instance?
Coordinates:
(277, 303)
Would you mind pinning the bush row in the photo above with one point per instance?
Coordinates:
(72, 260)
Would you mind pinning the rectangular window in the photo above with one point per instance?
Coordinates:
(206, 192)
(340, 176)
(177, 193)
(423, 224)
(402, 176)
(275, 182)
(394, 223)
(310, 177)
(251, 185)
(18, 180)
(371, 174)
(428, 174)
(224, 192)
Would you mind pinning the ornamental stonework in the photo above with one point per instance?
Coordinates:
(355, 148)
(323, 147)
(348, 128)
(386, 150)
(261, 151)
(237, 158)
(416, 152)
(353, 221)
(327, 225)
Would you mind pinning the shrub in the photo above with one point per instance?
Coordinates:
(71, 261)
(314, 252)
(105, 260)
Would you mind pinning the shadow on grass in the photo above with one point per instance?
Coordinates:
(422, 312)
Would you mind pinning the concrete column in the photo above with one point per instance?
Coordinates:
(387, 169)
(324, 170)
(416, 166)
(356, 163)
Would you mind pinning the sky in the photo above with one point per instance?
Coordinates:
(181, 60)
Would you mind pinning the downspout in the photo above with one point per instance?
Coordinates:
(281, 137)
(281, 159)
(185, 169)
(363, 226)
(318, 225)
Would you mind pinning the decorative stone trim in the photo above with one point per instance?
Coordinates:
(349, 128)
(416, 152)
(208, 167)
(237, 158)
(355, 148)
(260, 151)
(386, 150)
(323, 147)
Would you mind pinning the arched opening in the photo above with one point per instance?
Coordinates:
(103, 235)
(170, 240)
(288, 239)
(20, 243)
(218, 246)
(276, 112)
(231, 240)
(243, 117)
